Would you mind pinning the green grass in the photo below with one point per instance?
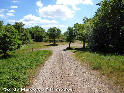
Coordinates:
(16, 70)
(38, 45)
(34, 45)
(109, 65)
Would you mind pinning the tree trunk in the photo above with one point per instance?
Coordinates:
(83, 43)
(54, 41)
(69, 44)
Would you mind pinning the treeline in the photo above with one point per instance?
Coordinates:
(105, 31)
(12, 37)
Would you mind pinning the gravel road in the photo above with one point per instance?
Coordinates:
(63, 74)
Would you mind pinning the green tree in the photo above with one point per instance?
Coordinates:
(24, 35)
(1, 23)
(83, 30)
(53, 34)
(8, 39)
(37, 33)
(70, 35)
(80, 33)
(107, 32)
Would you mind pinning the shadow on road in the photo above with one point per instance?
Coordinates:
(52, 45)
(77, 49)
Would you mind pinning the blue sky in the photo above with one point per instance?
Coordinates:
(47, 13)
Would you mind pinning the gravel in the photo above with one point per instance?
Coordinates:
(61, 73)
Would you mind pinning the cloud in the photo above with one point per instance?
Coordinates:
(31, 20)
(15, 1)
(2, 16)
(61, 9)
(54, 25)
(11, 11)
(11, 21)
(13, 6)
(56, 11)
(74, 3)
(2, 10)
(10, 14)
(39, 4)
(60, 26)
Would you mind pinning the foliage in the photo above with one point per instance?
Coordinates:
(1, 23)
(24, 35)
(83, 31)
(108, 33)
(37, 33)
(16, 70)
(8, 39)
(54, 33)
(70, 35)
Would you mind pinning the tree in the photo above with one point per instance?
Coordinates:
(80, 33)
(37, 33)
(83, 30)
(24, 35)
(107, 32)
(1, 23)
(8, 39)
(70, 35)
(53, 34)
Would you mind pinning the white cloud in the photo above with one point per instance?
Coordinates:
(11, 11)
(10, 14)
(54, 25)
(31, 20)
(56, 11)
(11, 21)
(61, 9)
(2, 15)
(39, 4)
(2, 10)
(15, 1)
(13, 6)
(74, 3)
(60, 26)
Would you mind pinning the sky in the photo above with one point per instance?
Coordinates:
(47, 13)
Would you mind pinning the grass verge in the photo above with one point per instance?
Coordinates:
(16, 70)
(108, 65)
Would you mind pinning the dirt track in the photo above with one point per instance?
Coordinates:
(63, 74)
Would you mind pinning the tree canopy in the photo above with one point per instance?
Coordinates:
(53, 33)
(37, 33)
(107, 34)
(8, 39)
(70, 35)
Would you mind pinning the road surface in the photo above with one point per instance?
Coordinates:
(61, 73)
